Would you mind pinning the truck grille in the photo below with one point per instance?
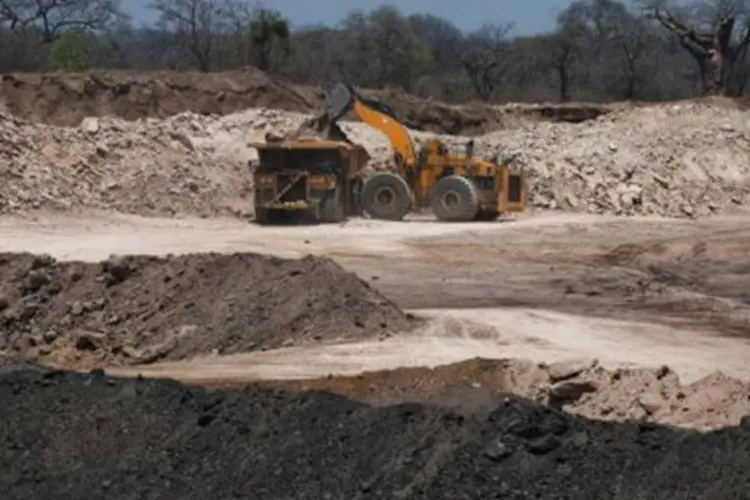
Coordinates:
(296, 193)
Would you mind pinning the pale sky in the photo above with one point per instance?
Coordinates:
(528, 16)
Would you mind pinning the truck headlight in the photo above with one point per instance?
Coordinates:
(321, 182)
(265, 181)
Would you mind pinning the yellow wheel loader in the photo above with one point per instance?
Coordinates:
(454, 187)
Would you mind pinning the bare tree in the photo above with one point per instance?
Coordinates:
(311, 55)
(710, 38)
(195, 24)
(485, 56)
(567, 45)
(51, 17)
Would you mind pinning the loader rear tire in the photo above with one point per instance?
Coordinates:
(455, 199)
(386, 196)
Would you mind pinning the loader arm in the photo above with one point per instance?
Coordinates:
(342, 98)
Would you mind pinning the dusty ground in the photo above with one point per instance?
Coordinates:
(637, 292)
(674, 272)
(578, 312)
(544, 287)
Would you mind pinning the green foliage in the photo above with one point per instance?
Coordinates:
(75, 51)
(599, 50)
(266, 30)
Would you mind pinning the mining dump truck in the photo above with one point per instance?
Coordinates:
(307, 180)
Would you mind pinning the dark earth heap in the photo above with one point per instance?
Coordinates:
(66, 98)
(88, 436)
(141, 309)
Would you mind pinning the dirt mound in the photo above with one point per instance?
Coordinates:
(579, 387)
(683, 160)
(132, 167)
(67, 98)
(139, 309)
(61, 429)
(473, 119)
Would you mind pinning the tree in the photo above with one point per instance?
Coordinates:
(564, 47)
(53, 17)
(634, 40)
(381, 49)
(195, 25)
(717, 38)
(267, 29)
(75, 51)
(485, 56)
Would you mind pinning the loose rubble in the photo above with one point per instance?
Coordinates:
(140, 309)
(681, 160)
(91, 436)
(580, 387)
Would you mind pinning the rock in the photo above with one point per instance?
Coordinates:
(90, 125)
(563, 370)
(651, 403)
(35, 280)
(77, 309)
(117, 270)
(568, 391)
(497, 451)
(49, 336)
(579, 439)
(543, 445)
(88, 342)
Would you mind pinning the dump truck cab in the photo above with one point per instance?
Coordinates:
(307, 180)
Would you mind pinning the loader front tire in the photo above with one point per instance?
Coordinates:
(386, 196)
(455, 199)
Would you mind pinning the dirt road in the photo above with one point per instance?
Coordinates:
(676, 292)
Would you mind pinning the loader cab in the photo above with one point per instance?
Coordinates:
(470, 149)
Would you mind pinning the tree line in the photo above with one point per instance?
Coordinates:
(600, 50)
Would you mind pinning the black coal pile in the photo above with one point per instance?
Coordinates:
(88, 436)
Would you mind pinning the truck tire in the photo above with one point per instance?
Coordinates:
(455, 199)
(386, 196)
(261, 216)
(332, 208)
